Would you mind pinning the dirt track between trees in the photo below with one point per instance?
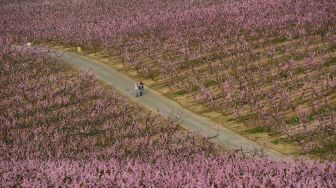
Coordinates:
(156, 102)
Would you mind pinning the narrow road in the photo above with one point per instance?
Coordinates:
(156, 102)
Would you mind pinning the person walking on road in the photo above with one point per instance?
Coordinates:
(141, 88)
(136, 88)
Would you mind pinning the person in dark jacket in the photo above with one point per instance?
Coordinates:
(141, 88)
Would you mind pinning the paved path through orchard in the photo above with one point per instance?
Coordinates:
(156, 102)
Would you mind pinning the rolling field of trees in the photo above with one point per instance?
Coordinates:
(268, 64)
(61, 127)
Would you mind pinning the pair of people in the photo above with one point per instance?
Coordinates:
(139, 89)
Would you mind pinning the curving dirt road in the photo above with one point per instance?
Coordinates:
(158, 103)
